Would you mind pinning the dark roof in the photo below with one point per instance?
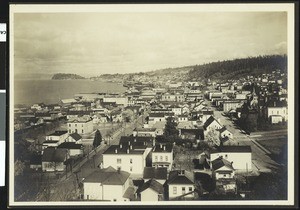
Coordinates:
(235, 149)
(76, 136)
(157, 115)
(198, 132)
(58, 133)
(108, 176)
(116, 149)
(206, 112)
(209, 121)
(220, 162)
(51, 154)
(155, 173)
(36, 160)
(181, 177)
(154, 185)
(136, 140)
(163, 148)
(70, 145)
(50, 141)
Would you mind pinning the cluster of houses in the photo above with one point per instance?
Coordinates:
(265, 94)
(146, 167)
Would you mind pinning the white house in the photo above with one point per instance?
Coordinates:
(129, 158)
(240, 156)
(211, 124)
(59, 136)
(53, 159)
(178, 97)
(222, 169)
(181, 184)
(277, 111)
(162, 156)
(74, 137)
(108, 184)
(73, 148)
(80, 126)
(144, 132)
(152, 190)
(225, 133)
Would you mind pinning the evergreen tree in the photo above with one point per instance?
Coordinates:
(170, 131)
(97, 139)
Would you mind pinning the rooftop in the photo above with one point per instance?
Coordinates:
(155, 173)
(154, 185)
(181, 177)
(163, 148)
(125, 149)
(220, 162)
(108, 176)
(58, 133)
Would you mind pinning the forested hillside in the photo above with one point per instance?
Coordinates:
(234, 69)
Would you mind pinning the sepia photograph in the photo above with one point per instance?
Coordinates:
(151, 104)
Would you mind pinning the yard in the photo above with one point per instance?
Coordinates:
(274, 145)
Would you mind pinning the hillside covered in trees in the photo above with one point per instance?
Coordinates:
(234, 69)
(61, 76)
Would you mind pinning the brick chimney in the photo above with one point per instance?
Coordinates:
(121, 146)
(116, 150)
(128, 151)
(164, 147)
(130, 146)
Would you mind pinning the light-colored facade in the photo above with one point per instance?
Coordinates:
(241, 160)
(162, 156)
(117, 100)
(80, 126)
(126, 158)
(279, 111)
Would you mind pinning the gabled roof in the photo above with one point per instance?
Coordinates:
(220, 162)
(163, 148)
(58, 133)
(234, 149)
(125, 149)
(209, 121)
(51, 154)
(108, 176)
(155, 173)
(70, 145)
(76, 136)
(154, 185)
(181, 177)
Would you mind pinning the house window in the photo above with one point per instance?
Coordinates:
(190, 189)
(82, 125)
(75, 125)
(224, 175)
(166, 158)
(277, 112)
(174, 190)
(183, 190)
(69, 125)
(161, 158)
(115, 200)
(119, 160)
(226, 156)
(130, 160)
(69, 130)
(155, 157)
(130, 168)
(82, 131)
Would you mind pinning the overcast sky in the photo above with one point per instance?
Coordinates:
(97, 43)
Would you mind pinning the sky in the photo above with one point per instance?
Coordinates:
(90, 44)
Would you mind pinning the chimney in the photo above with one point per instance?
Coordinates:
(160, 145)
(130, 146)
(165, 147)
(128, 151)
(116, 150)
(121, 146)
(134, 139)
(128, 142)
